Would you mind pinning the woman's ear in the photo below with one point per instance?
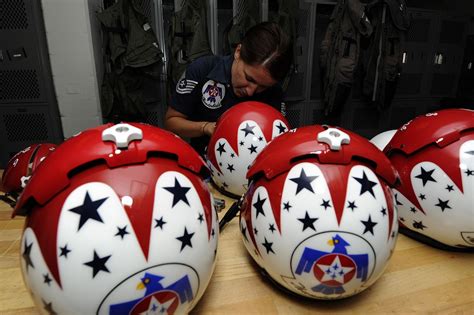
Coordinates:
(237, 52)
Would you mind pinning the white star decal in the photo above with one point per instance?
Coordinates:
(335, 271)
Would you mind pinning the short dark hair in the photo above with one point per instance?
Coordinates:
(266, 44)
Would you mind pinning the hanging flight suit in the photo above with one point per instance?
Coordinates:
(247, 16)
(381, 32)
(382, 60)
(286, 18)
(131, 53)
(340, 51)
(189, 38)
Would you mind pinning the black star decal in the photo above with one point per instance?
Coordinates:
(449, 188)
(271, 227)
(422, 196)
(418, 225)
(252, 149)
(232, 155)
(413, 209)
(443, 204)
(98, 264)
(201, 218)
(255, 231)
(352, 205)
(27, 255)
(221, 149)
(159, 223)
(326, 204)
(213, 232)
(402, 219)
(248, 129)
(303, 182)
(260, 138)
(286, 206)
(185, 239)
(122, 231)
(179, 192)
(268, 246)
(308, 222)
(469, 152)
(48, 307)
(259, 205)
(243, 230)
(241, 143)
(281, 128)
(88, 210)
(369, 225)
(230, 167)
(64, 251)
(469, 172)
(425, 176)
(365, 184)
(47, 279)
(384, 211)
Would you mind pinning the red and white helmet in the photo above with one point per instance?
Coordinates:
(382, 139)
(241, 133)
(119, 220)
(434, 155)
(319, 215)
(21, 166)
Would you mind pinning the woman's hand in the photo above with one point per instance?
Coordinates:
(183, 127)
(208, 128)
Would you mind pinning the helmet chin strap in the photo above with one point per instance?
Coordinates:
(8, 199)
(231, 213)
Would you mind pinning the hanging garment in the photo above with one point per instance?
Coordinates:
(247, 15)
(131, 53)
(382, 61)
(341, 50)
(188, 36)
(286, 18)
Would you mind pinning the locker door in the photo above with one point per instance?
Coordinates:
(28, 107)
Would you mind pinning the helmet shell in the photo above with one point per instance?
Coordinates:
(434, 155)
(22, 165)
(119, 220)
(319, 215)
(382, 139)
(241, 133)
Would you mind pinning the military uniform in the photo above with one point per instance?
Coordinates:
(205, 92)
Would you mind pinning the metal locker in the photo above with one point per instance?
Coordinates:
(417, 49)
(448, 55)
(28, 107)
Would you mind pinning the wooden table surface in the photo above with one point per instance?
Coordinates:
(418, 279)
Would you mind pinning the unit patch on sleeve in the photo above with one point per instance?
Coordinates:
(212, 94)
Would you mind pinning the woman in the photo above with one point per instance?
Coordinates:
(212, 84)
